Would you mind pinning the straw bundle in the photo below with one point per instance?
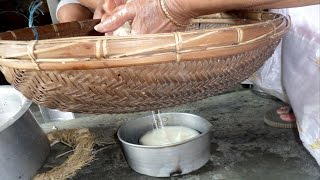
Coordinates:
(82, 142)
(77, 72)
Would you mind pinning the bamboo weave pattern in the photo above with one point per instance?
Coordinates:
(96, 74)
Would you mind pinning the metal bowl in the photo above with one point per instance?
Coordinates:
(165, 161)
(23, 145)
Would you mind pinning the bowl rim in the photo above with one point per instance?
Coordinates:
(166, 146)
(25, 106)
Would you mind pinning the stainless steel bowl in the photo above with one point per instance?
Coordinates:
(165, 161)
(23, 145)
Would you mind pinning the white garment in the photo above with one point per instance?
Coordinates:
(293, 73)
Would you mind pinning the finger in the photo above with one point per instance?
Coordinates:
(112, 12)
(116, 20)
(108, 34)
(119, 2)
(98, 13)
(110, 5)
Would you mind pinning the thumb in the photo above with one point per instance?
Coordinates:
(117, 19)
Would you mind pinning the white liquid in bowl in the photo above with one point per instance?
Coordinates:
(167, 135)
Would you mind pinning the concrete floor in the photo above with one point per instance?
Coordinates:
(243, 147)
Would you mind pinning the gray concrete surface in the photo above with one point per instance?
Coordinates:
(243, 147)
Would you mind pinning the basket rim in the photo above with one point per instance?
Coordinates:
(195, 20)
(176, 46)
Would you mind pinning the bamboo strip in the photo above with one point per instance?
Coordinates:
(56, 47)
(72, 64)
(108, 51)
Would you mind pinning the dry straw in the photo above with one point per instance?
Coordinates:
(69, 69)
(82, 142)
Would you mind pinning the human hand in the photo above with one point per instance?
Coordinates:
(147, 16)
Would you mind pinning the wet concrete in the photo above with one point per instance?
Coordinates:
(243, 147)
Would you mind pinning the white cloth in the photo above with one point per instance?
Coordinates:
(293, 73)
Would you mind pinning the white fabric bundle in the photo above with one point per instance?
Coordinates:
(124, 30)
(293, 73)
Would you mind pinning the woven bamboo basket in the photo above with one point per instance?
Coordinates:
(73, 68)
